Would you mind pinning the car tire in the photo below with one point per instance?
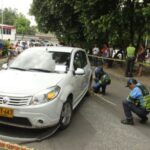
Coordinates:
(66, 115)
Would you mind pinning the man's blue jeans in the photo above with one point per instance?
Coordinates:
(97, 86)
(129, 107)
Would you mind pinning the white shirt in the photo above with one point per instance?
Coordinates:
(95, 51)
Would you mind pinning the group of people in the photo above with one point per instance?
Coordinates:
(131, 53)
(106, 52)
(135, 100)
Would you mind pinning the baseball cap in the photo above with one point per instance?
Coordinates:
(131, 81)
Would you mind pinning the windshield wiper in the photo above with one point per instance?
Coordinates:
(17, 68)
(37, 69)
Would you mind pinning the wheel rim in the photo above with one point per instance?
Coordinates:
(66, 114)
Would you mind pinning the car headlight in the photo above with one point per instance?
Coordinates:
(45, 96)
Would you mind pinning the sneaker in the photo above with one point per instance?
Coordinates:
(144, 120)
(127, 122)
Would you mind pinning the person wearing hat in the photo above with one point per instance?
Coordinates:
(102, 79)
(134, 103)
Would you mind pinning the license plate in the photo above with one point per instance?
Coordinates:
(6, 112)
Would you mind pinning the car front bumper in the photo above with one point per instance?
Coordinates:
(34, 116)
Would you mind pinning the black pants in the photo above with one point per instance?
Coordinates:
(129, 66)
(130, 107)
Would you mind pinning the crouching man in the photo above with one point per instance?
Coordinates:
(102, 79)
(134, 103)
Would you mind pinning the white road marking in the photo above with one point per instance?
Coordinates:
(106, 100)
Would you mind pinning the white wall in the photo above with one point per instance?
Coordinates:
(9, 36)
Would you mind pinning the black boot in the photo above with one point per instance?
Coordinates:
(127, 121)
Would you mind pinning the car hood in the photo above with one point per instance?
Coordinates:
(26, 82)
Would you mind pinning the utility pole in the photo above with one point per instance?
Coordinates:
(2, 19)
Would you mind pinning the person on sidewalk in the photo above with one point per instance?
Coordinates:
(105, 54)
(95, 52)
(102, 79)
(130, 58)
(141, 59)
(134, 103)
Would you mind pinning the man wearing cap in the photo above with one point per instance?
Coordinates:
(134, 103)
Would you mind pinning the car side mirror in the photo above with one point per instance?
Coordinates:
(5, 66)
(79, 71)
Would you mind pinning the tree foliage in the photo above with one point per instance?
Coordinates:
(11, 17)
(85, 22)
(22, 24)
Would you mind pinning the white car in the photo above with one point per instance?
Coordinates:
(42, 86)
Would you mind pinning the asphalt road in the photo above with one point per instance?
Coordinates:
(96, 126)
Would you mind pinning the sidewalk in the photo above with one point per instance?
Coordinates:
(118, 73)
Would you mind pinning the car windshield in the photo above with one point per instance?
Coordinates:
(42, 61)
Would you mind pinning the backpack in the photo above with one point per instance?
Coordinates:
(106, 79)
(146, 96)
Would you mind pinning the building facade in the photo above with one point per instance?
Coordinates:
(7, 32)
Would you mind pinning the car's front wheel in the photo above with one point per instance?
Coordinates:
(66, 115)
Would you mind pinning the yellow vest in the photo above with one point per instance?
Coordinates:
(130, 51)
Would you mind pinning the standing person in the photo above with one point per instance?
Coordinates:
(105, 54)
(134, 103)
(111, 51)
(102, 79)
(1, 48)
(140, 58)
(95, 52)
(147, 57)
(130, 58)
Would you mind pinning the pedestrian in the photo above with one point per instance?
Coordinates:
(95, 52)
(1, 48)
(105, 54)
(130, 58)
(147, 55)
(134, 103)
(102, 79)
(111, 51)
(141, 59)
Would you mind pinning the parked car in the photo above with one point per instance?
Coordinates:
(42, 86)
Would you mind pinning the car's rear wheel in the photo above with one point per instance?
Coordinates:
(66, 115)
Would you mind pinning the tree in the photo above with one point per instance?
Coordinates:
(22, 24)
(58, 17)
(93, 21)
(11, 17)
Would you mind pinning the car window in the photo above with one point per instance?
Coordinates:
(62, 58)
(41, 60)
(77, 60)
(84, 59)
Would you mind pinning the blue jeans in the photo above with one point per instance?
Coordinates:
(97, 87)
(129, 107)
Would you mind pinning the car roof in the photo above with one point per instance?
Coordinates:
(57, 48)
